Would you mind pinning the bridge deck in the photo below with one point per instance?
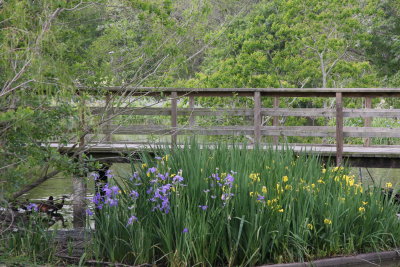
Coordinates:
(357, 156)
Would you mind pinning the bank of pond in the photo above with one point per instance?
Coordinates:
(226, 206)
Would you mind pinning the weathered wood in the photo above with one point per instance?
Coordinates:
(275, 119)
(107, 116)
(191, 107)
(368, 120)
(79, 201)
(339, 129)
(315, 131)
(174, 117)
(257, 117)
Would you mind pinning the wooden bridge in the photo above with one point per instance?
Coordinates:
(259, 125)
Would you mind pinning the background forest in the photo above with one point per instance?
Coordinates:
(50, 48)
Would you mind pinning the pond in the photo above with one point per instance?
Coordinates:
(62, 185)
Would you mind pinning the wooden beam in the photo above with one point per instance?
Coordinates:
(174, 117)
(339, 129)
(296, 112)
(257, 117)
(368, 120)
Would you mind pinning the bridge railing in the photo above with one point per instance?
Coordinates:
(257, 129)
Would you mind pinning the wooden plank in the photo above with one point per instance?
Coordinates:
(368, 120)
(192, 108)
(174, 117)
(315, 131)
(275, 119)
(181, 111)
(257, 117)
(339, 129)
(107, 116)
(284, 112)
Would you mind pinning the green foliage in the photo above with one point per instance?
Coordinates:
(30, 243)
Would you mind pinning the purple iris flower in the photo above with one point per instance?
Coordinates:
(152, 170)
(32, 207)
(135, 177)
(148, 191)
(158, 158)
(95, 176)
(89, 212)
(107, 191)
(185, 230)
(96, 199)
(115, 190)
(132, 219)
(134, 195)
(112, 202)
(260, 198)
(177, 179)
(109, 174)
(203, 207)
(229, 180)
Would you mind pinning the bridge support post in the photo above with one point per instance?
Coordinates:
(368, 121)
(78, 181)
(257, 117)
(339, 129)
(174, 117)
(78, 202)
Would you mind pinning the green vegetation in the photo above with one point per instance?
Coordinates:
(49, 49)
(230, 206)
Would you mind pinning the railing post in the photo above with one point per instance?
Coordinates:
(191, 106)
(174, 117)
(257, 117)
(339, 129)
(368, 121)
(275, 119)
(107, 117)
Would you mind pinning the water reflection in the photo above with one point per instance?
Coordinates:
(61, 185)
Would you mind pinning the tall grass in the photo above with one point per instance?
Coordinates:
(32, 241)
(238, 207)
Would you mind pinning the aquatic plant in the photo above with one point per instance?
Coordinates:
(231, 206)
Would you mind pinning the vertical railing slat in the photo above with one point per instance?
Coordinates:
(339, 129)
(191, 106)
(368, 121)
(275, 119)
(257, 117)
(107, 114)
(174, 117)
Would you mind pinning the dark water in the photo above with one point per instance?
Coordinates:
(61, 185)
